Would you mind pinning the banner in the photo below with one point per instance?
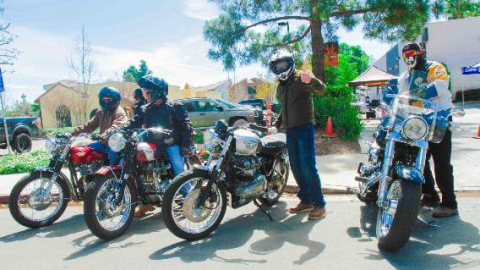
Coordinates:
(331, 54)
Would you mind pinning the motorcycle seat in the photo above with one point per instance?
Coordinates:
(272, 145)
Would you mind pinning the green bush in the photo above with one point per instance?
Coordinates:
(198, 137)
(50, 132)
(345, 117)
(23, 163)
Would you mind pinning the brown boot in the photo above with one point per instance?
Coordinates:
(317, 213)
(444, 211)
(300, 208)
(143, 209)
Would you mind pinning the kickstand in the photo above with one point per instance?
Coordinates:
(428, 223)
(267, 212)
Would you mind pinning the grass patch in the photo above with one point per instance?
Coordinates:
(23, 163)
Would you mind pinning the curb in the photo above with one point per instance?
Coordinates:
(4, 199)
(325, 190)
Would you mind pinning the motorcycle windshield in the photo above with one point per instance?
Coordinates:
(408, 105)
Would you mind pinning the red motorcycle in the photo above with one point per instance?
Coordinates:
(41, 197)
(145, 173)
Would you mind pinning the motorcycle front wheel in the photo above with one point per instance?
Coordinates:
(180, 212)
(104, 217)
(33, 205)
(396, 220)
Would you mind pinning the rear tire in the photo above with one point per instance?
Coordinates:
(393, 234)
(106, 220)
(22, 143)
(26, 194)
(179, 201)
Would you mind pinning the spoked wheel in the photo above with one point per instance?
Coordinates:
(277, 185)
(104, 217)
(180, 212)
(34, 204)
(396, 220)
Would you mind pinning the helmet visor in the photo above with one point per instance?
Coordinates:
(280, 67)
(410, 54)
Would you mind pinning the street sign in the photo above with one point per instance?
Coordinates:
(1, 81)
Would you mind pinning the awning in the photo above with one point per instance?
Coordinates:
(373, 76)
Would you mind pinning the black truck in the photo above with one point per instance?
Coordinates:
(20, 133)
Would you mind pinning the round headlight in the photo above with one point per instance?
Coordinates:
(50, 145)
(116, 142)
(415, 128)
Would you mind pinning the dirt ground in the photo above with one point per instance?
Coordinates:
(332, 146)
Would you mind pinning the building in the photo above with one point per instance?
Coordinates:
(63, 103)
(216, 90)
(455, 43)
(244, 89)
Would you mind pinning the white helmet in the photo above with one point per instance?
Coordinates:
(282, 65)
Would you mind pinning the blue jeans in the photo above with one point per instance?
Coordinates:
(176, 159)
(301, 151)
(104, 149)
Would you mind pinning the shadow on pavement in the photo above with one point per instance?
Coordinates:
(286, 229)
(429, 247)
(89, 243)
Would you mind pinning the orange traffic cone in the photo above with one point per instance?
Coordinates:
(478, 133)
(329, 129)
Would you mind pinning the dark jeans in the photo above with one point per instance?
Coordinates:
(441, 153)
(301, 151)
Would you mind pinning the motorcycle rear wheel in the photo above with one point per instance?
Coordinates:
(274, 193)
(105, 219)
(396, 222)
(179, 211)
(26, 202)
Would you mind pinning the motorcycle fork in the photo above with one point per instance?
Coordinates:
(56, 171)
(386, 175)
(125, 174)
(213, 174)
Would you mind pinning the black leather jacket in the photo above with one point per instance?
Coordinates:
(169, 115)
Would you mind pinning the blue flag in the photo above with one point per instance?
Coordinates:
(2, 89)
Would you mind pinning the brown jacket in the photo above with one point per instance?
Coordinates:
(105, 120)
(296, 100)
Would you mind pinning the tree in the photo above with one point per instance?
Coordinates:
(82, 63)
(235, 40)
(7, 54)
(266, 91)
(132, 74)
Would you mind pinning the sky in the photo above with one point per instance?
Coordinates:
(167, 34)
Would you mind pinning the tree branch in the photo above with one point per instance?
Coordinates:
(276, 19)
(293, 40)
(350, 12)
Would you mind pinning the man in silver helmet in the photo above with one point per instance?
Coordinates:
(294, 92)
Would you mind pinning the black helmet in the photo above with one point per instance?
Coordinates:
(413, 55)
(112, 93)
(282, 65)
(158, 86)
(138, 94)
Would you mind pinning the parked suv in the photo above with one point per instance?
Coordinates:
(20, 131)
(204, 112)
(256, 102)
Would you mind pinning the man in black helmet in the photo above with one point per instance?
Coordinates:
(139, 102)
(160, 112)
(110, 116)
(436, 89)
(294, 93)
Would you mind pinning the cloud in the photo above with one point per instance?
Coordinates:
(200, 9)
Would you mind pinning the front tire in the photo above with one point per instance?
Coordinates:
(104, 218)
(32, 205)
(396, 222)
(22, 143)
(180, 213)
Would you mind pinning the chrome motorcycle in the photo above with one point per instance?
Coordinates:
(248, 168)
(393, 177)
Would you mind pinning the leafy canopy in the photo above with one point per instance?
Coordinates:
(132, 74)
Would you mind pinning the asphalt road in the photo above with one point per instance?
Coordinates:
(246, 239)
